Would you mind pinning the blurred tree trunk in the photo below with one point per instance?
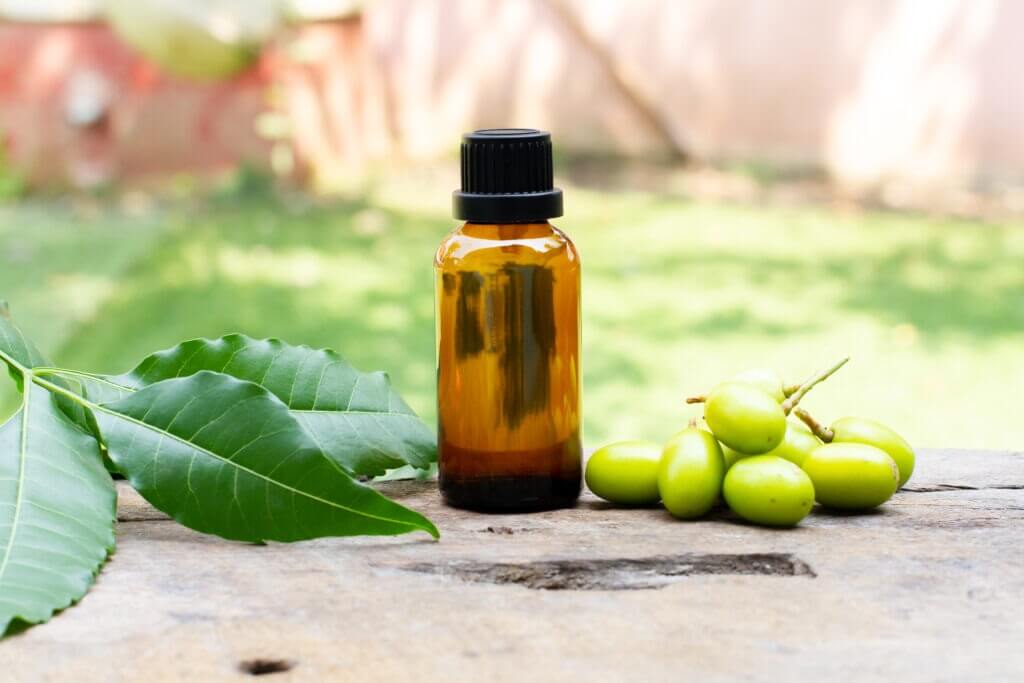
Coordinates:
(650, 111)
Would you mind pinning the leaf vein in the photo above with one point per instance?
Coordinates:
(22, 457)
(259, 475)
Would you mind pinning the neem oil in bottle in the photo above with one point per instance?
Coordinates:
(508, 333)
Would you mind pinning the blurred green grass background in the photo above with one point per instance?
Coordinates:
(677, 294)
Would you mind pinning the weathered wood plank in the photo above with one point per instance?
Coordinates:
(930, 588)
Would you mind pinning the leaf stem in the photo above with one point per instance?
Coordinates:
(57, 389)
(13, 363)
(810, 383)
(34, 376)
(78, 373)
(46, 370)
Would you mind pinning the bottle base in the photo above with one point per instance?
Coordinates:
(510, 494)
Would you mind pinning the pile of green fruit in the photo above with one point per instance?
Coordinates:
(768, 467)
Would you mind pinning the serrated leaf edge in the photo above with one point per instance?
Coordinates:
(431, 528)
(109, 548)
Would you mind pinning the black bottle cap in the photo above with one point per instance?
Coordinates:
(507, 177)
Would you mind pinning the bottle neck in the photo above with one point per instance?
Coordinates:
(508, 231)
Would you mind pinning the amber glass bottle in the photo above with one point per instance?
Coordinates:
(508, 341)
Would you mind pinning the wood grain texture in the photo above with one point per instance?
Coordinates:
(929, 588)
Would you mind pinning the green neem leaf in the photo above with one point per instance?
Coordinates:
(225, 456)
(16, 345)
(355, 417)
(57, 511)
(24, 354)
(98, 388)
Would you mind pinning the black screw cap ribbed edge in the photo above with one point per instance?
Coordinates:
(507, 177)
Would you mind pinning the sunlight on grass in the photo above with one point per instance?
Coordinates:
(692, 293)
(59, 263)
(677, 295)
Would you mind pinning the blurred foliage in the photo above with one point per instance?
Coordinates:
(677, 294)
(12, 181)
(202, 39)
(245, 183)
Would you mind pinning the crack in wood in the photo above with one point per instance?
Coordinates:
(154, 516)
(616, 573)
(939, 488)
(263, 667)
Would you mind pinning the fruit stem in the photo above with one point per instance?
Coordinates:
(790, 389)
(810, 383)
(696, 399)
(693, 423)
(820, 430)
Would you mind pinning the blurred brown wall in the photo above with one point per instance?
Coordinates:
(871, 90)
(79, 108)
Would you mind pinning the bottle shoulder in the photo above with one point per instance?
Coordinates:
(535, 242)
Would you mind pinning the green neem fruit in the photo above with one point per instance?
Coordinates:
(625, 472)
(852, 476)
(797, 444)
(690, 473)
(764, 379)
(873, 433)
(745, 418)
(730, 456)
(769, 490)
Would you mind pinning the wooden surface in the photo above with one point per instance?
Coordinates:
(931, 588)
